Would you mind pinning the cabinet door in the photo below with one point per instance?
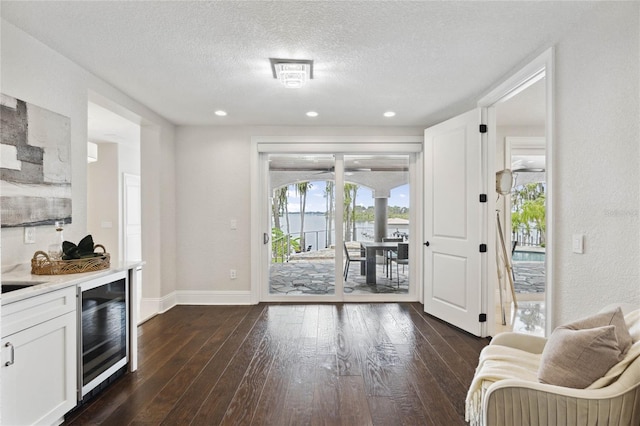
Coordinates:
(39, 386)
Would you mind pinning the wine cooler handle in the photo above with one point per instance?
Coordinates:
(10, 346)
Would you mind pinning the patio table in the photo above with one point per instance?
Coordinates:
(370, 249)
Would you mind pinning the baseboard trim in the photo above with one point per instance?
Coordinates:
(150, 307)
(195, 297)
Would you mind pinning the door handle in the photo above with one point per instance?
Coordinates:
(427, 243)
(265, 238)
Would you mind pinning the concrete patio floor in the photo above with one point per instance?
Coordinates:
(315, 274)
(318, 277)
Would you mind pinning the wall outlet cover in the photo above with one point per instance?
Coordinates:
(30, 235)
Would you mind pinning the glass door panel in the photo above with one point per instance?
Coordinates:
(302, 198)
(376, 223)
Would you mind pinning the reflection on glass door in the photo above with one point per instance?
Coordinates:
(302, 192)
(376, 224)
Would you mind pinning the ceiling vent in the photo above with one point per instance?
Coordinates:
(292, 73)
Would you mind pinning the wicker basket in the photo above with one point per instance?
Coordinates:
(42, 264)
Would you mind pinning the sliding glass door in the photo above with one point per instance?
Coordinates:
(340, 226)
(302, 210)
(376, 222)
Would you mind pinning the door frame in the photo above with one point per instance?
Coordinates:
(540, 67)
(332, 145)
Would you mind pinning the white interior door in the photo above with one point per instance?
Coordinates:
(453, 221)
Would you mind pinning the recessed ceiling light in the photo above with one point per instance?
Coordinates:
(312, 114)
(221, 113)
(389, 114)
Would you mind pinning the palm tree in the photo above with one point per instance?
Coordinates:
(350, 191)
(301, 189)
(353, 211)
(280, 206)
(329, 211)
(280, 240)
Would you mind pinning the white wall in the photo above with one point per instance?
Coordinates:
(33, 72)
(213, 174)
(103, 203)
(52, 84)
(596, 153)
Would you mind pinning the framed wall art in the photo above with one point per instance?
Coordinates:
(35, 165)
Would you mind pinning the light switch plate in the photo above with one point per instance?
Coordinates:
(578, 243)
(29, 234)
(234, 224)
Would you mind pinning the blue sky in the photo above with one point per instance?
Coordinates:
(317, 203)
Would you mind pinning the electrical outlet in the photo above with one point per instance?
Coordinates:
(232, 274)
(29, 234)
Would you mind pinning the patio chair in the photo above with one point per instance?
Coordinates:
(389, 254)
(350, 258)
(402, 258)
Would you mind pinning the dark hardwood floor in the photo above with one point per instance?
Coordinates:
(292, 364)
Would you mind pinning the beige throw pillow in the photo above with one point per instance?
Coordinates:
(577, 358)
(613, 317)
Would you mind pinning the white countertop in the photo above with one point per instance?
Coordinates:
(49, 283)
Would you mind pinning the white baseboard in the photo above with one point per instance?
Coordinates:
(149, 307)
(195, 297)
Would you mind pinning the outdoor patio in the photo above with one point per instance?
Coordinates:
(313, 273)
(318, 277)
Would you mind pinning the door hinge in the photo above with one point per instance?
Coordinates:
(483, 128)
(483, 198)
(482, 317)
(483, 248)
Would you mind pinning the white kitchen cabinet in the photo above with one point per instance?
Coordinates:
(39, 370)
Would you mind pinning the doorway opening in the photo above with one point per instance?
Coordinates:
(522, 139)
(525, 224)
(113, 183)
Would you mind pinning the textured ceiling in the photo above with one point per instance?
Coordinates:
(424, 60)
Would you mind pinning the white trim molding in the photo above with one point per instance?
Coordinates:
(196, 297)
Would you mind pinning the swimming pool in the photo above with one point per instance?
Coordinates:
(527, 256)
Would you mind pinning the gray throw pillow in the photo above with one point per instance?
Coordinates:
(577, 358)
